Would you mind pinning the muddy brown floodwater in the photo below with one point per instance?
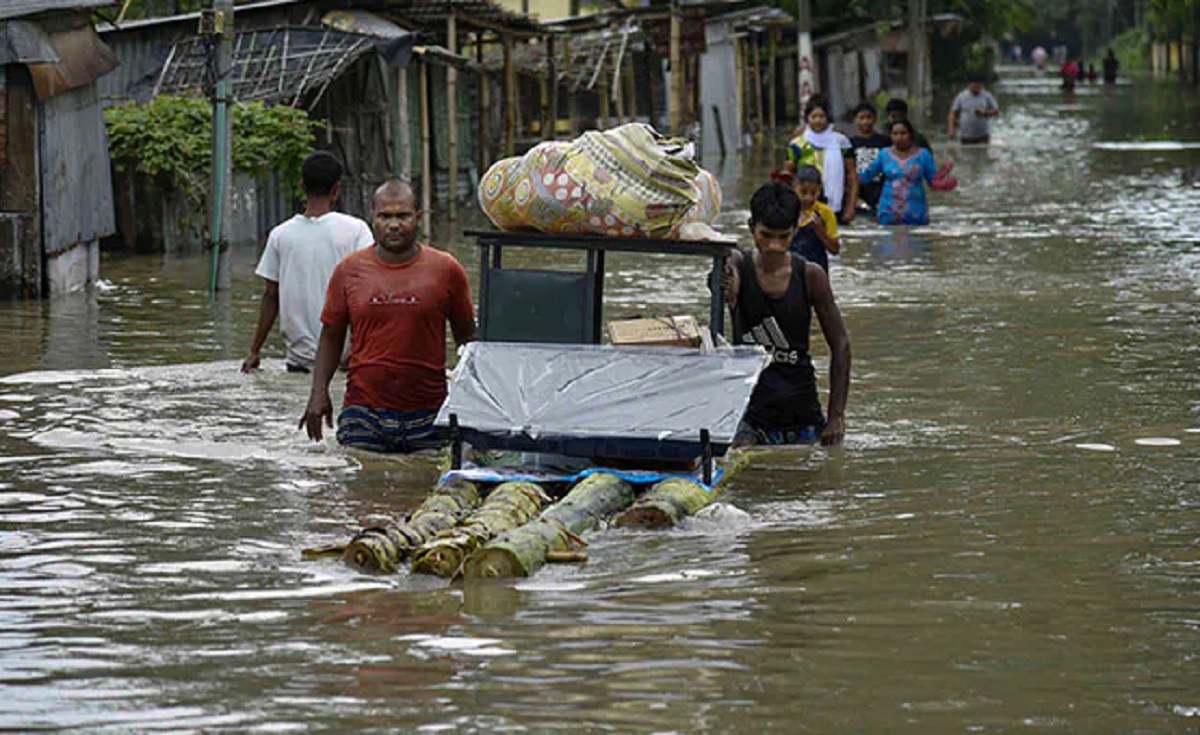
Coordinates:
(996, 548)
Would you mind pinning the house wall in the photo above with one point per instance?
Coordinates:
(20, 220)
(834, 80)
(718, 70)
(544, 9)
(852, 74)
(77, 202)
(872, 69)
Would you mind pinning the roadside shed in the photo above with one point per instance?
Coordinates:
(55, 191)
(348, 65)
(858, 63)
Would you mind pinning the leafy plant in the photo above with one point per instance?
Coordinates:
(1132, 49)
(170, 138)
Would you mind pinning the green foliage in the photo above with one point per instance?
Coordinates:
(171, 138)
(276, 138)
(1169, 17)
(1132, 49)
(994, 17)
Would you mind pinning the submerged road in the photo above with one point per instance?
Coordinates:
(1007, 542)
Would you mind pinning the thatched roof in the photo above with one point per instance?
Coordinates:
(291, 65)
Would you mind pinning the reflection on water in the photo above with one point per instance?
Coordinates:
(1007, 540)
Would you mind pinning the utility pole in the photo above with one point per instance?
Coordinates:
(918, 44)
(217, 24)
(806, 76)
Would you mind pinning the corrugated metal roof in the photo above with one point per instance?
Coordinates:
(82, 58)
(21, 8)
(188, 18)
(25, 43)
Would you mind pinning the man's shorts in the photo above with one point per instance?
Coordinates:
(748, 434)
(387, 430)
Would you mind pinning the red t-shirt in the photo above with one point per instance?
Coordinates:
(397, 316)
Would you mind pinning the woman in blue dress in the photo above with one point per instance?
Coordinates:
(905, 168)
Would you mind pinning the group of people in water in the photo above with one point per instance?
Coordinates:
(837, 177)
(1073, 72)
(375, 300)
(773, 290)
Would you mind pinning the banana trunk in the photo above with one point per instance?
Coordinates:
(522, 551)
(676, 498)
(508, 507)
(383, 549)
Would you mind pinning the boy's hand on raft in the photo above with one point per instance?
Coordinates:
(834, 432)
(319, 409)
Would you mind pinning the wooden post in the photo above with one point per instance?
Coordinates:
(404, 156)
(572, 94)
(426, 153)
(452, 117)
(485, 93)
(544, 94)
(630, 88)
(510, 99)
(743, 107)
(603, 82)
(618, 93)
(676, 96)
(758, 86)
(391, 122)
(772, 65)
(552, 73)
(694, 90)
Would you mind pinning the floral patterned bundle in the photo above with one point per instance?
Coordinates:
(626, 182)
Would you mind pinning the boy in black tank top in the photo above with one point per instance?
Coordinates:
(772, 294)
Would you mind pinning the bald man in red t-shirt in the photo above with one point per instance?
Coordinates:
(395, 298)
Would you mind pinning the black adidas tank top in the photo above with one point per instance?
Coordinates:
(786, 394)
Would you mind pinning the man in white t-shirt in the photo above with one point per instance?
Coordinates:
(300, 256)
(972, 112)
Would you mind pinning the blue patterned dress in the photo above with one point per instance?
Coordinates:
(903, 199)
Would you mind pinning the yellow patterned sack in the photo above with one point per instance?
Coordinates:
(625, 182)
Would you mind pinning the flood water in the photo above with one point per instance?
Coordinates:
(963, 564)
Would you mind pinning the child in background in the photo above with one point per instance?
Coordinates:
(867, 142)
(817, 229)
(831, 154)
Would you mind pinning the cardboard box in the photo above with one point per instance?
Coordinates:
(665, 331)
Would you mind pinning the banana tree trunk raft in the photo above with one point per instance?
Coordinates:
(676, 498)
(382, 549)
(522, 551)
(509, 506)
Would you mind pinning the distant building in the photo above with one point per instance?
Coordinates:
(553, 9)
(55, 185)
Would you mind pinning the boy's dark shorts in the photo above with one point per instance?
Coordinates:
(752, 435)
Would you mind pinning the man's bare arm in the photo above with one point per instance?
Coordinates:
(268, 311)
(329, 354)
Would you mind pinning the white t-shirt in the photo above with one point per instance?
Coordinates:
(300, 256)
(968, 104)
